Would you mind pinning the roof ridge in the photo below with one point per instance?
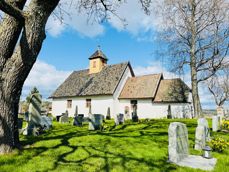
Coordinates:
(148, 75)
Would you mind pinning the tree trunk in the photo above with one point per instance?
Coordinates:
(195, 92)
(16, 69)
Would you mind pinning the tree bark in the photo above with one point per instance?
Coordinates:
(17, 67)
(193, 64)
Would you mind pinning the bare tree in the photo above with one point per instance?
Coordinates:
(22, 32)
(198, 36)
(218, 85)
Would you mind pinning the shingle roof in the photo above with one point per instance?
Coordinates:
(81, 83)
(98, 54)
(141, 87)
(172, 90)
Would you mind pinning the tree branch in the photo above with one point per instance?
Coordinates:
(12, 11)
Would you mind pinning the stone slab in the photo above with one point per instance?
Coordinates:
(198, 162)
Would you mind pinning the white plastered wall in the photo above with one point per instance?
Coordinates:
(147, 109)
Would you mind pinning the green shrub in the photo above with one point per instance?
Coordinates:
(225, 125)
(219, 144)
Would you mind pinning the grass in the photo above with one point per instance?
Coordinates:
(129, 147)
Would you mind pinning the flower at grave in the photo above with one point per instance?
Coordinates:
(225, 124)
(219, 144)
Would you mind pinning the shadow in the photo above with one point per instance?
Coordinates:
(128, 147)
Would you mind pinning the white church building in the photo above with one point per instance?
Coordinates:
(104, 86)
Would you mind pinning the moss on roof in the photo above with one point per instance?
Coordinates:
(81, 83)
(172, 90)
(141, 87)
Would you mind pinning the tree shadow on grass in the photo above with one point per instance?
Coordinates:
(104, 149)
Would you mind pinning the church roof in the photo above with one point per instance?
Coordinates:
(156, 88)
(81, 83)
(172, 90)
(141, 87)
(98, 54)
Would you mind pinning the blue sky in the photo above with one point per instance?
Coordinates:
(68, 46)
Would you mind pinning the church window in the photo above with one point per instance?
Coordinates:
(69, 103)
(88, 103)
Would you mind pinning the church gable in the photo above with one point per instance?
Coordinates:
(141, 87)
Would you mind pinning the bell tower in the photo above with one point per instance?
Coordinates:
(97, 61)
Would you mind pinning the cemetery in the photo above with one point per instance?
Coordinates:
(116, 146)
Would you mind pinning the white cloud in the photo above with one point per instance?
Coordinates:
(45, 77)
(138, 23)
(68, 17)
(153, 68)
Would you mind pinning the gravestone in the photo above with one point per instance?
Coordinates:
(46, 122)
(216, 123)
(203, 122)
(134, 114)
(64, 118)
(169, 116)
(76, 111)
(200, 137)
(96, 122)
(127, 112)
(108, 117)
(178, 142)
(119, 119)
(179, 150)
(78, 120)
(34, 122)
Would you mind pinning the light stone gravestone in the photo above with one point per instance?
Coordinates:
(64, 118)
(216, 123)
(34, 121)
(220, 111)
(203, 122)
(178, 142)
(119, 119)
(200, 137)
(179, 149)
(127, 112)
(96, 122)
(46, 122)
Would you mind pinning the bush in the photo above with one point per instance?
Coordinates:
(225, 125)
(219, 144)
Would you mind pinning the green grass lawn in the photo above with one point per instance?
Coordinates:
(130, 147)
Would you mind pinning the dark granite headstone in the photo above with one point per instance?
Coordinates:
(96, 122)
(78, 121)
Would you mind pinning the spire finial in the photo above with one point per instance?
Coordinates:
(98, 47)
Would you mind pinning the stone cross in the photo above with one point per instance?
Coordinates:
(178, 142)
(216, 123)
(96, 122)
